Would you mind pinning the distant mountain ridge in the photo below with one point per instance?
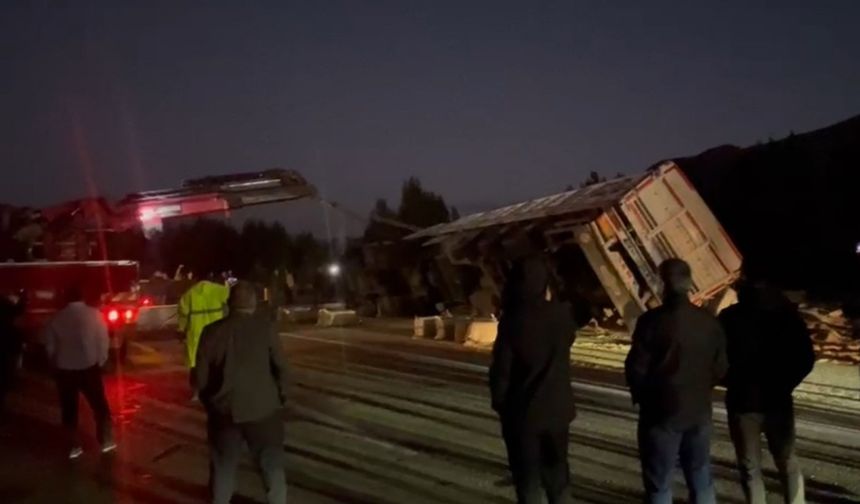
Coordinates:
(791, 205)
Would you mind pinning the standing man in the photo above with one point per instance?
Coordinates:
(759, 397)
(677, 357)
(76, 343)
(241, 373)
(530, 384)
(204, 303)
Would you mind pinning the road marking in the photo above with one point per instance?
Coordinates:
(145, 355)
(813, 430)
(467, 366)
(147, 349)
(352, 429)
(170, 450)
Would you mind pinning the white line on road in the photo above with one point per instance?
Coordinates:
(352, 429)
(812, 430)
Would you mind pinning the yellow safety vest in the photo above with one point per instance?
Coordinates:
(204, 303)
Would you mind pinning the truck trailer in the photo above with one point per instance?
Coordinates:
(604, 242)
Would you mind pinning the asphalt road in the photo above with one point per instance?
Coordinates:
(373, 418)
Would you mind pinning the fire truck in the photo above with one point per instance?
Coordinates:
(46, 251)
(40, 285)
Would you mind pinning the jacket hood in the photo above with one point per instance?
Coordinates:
(527, 282)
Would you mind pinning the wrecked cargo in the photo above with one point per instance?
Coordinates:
(603, 241)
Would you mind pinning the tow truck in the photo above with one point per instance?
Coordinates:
(64, 245)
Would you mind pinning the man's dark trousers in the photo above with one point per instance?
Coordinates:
(660, 446)
(538, 462)
(71, 383)
(778, 427)
(265, 439)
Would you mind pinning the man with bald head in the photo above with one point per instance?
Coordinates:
(241, 377)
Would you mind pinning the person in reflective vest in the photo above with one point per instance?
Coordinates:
(202, 304)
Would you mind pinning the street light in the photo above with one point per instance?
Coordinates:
(334, 270)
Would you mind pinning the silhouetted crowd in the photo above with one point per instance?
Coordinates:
(679, 354)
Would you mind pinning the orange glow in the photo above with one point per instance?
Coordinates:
(129, 316)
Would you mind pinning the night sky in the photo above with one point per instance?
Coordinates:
(487, 102)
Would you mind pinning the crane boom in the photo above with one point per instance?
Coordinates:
(216, 194)
(69, 231)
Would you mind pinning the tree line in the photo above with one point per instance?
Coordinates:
(255, 251)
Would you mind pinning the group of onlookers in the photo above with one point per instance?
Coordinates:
(679, 353)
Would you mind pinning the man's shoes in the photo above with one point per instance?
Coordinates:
(76, 452)
(108, 446)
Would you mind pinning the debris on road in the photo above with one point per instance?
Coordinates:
(824, 319)
(593, 329)
(831, 334)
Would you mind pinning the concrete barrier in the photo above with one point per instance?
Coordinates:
(339, 318)
(300, 314)
(461, 329)
(481, 333)
(428, 327)
(448, 329)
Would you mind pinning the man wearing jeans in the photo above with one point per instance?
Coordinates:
(677, 357)
(241, 373)
(76, 342)
(764, 327)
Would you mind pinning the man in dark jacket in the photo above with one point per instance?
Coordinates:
(530, 384)
(677, 357)
(241, 377)
(770, 353)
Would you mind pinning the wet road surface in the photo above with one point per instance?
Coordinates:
(373, 418)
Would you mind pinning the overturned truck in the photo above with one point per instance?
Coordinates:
(603, 242)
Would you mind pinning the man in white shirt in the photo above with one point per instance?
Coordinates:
(76, 342)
